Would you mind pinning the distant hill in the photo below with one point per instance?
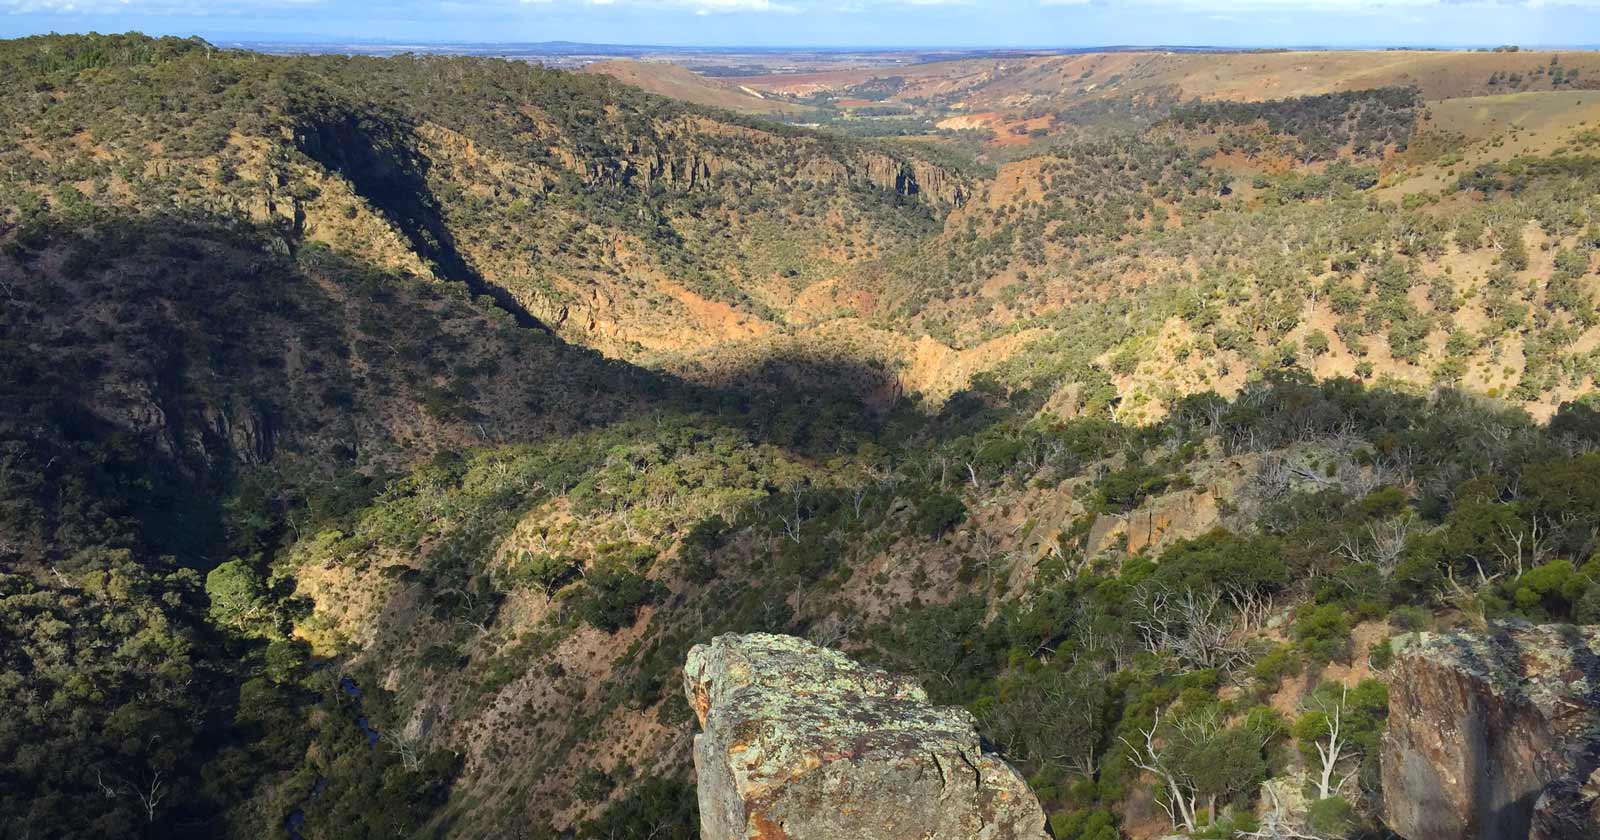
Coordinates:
(1057, 81)
(677, 82)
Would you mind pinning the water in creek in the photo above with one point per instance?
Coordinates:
(297, 817)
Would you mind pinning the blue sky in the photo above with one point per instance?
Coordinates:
(1036, 23)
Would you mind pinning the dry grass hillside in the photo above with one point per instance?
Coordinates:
(671, 80)
(1052, 81)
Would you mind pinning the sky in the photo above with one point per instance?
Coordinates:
(837, 23)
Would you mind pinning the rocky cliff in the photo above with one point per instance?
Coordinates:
(1488, 731)
(801, 743)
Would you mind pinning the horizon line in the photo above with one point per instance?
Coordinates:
(1308, 47)
(335, 40)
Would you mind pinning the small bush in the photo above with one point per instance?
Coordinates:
(1332, 817)
(1323, 633)
(938, 513)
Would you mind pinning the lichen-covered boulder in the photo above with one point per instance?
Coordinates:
(802, 743)
(1484, 726)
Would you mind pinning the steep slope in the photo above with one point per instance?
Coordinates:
(177, 398)
(241, 296)
(1486, 726)
(620, 220)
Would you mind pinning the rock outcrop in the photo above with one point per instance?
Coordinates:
(915, 178)
(1569, 809)
(1494, 736)
(802, 743)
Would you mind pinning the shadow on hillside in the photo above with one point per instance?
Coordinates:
(246, 355)
(382, 163)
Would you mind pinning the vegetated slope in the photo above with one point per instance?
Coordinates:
(1009, 565)
(234, 304)
(1011, 83)
(677, 82)
(1011, 556)
(603, 212)
(1147, 269)
(177, 392)
(316, 539)
(194, 417)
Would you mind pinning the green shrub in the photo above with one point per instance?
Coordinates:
(938, 513)
(1411, 619)
(1323, 633)
(1120, 491)
(1091, 824)
(1281, 662)
(1382, 654)
(1333, 817)
(612, 596)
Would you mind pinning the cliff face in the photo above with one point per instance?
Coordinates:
(915, 178)
(801, 743)
(1484, 728)
(698, 155)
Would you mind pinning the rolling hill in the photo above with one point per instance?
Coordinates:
(676, 82)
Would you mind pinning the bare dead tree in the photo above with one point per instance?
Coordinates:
(1031, 456)
(987, 554)
(1194, 628)
(858, 495)
(1253, 608)
(1383, 544)
(1462, 597)
(1333, 746)
(1276, 825)
(149, 792)
(793, 521)
(1215, 413)
(106, 790)
(408, 745)
(1274, 478)
(1181, 801)
(1521, 548)
(833, 629)
(791, 527)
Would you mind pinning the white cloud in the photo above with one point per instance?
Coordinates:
(706, 7)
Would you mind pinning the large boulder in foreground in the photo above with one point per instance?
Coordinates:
(1494, 735)
(802, 743)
